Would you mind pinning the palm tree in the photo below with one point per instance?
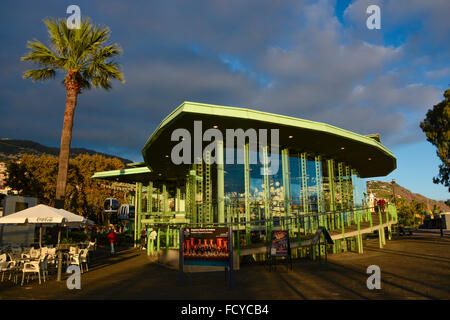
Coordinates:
(86, 60)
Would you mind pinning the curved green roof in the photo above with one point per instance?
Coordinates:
(363, 153)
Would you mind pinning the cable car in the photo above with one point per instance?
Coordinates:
(111, 205)
(126, 212)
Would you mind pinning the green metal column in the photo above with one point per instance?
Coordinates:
(200, 206)
(303, 160)
(287, 190)
(247, 192)
(220, 182)
(158, 200)
(381, 229)
(139, 212)
(349, 191)
(149, 197)
(178, 199)
(304, 191)
(386, 209)
(165, 202)
(208, 217)
(343, 199)
(319, 189)
(267, 213)
(342, 195)
(167, 238)
(158, 237)
(194, 211)
(150, 244)
(136, 219)
(187, 202)
(350, 201)
(332, 187)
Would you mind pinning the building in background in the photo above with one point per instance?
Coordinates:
(319, 181)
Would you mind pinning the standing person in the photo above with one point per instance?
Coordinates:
(381, 203)
(143, 238)
(372, 202)
(152, 235)
(112, 237)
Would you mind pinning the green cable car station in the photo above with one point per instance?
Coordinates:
(215, 166)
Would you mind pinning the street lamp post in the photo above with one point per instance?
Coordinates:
(393, 191)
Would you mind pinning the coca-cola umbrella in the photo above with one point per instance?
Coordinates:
(43, 215)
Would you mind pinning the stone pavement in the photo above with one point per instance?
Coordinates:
(412, 267)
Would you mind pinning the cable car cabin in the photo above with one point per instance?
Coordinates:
(111, 205)
(126, 212)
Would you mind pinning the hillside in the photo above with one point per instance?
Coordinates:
(384, 190)
(13, 149)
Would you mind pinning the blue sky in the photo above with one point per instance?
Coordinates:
(309, 59)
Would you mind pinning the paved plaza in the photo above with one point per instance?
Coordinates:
(412, 267)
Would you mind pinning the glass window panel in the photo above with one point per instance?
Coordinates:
(295, 177)
(234, 182)
(312, 185)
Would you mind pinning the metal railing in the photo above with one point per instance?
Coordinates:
(258, 228)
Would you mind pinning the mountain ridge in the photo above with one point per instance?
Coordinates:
(12, 149)
(385, 190)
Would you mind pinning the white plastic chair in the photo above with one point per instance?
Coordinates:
(16, 251)
(51, 256)
(44, 266)
(25, 256)
(76, 260)
(84, 259)
(8, 266)
(34, 267)
(34, 253)
(3, 257)
(92, 246)
(26, 249)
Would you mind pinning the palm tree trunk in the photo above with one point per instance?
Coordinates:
(64, 152)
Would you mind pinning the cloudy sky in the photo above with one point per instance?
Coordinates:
(315, 60)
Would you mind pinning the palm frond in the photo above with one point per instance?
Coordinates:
(84, 51)
(42, 55)
(39, 74)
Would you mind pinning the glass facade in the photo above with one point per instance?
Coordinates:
(303, 184)
(315, 185)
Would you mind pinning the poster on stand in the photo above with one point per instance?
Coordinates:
(280, 244)
(206, 246)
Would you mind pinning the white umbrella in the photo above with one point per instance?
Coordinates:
(42, 214)
(37, 214)
(71, 218)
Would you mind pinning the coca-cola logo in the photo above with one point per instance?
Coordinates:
(44, 219)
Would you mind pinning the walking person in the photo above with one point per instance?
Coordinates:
(112, 237)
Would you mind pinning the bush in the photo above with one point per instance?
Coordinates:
(123, 239)
(67, 241)
(79, 236)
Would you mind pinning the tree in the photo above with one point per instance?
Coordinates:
(405, 215)
(85, 58)
(36, 176)
(436, 211)
(410, 214)
(437, 129)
